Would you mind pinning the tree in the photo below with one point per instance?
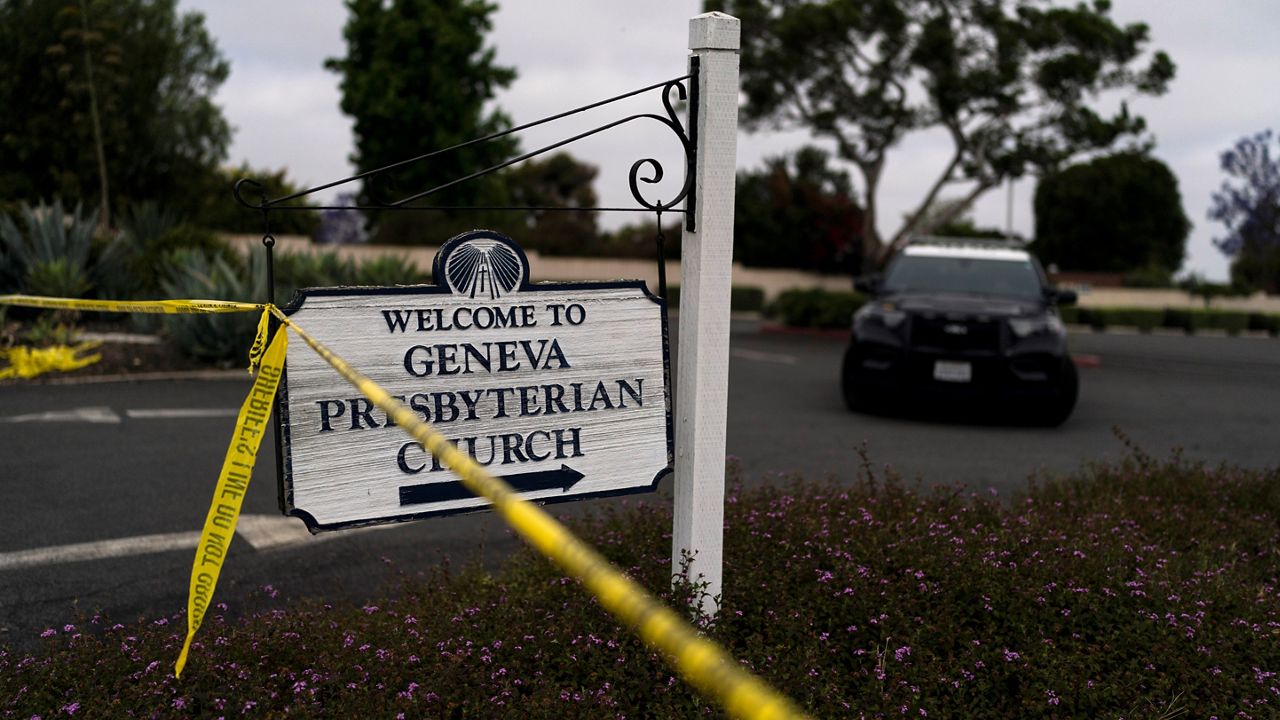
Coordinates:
(945, 219)
(216, 208)
(417, 78)
(559, 181)
(1119, 213)
(1006, 80)
(147, 71)
(797, 212)
(1250, 208)
(640, 240)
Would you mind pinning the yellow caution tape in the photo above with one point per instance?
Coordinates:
(167, 307)
(233, 483)
(25, 362)
(701, 662)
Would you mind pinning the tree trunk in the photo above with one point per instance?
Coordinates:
(904, 235)
(104, 205)
(871, 242)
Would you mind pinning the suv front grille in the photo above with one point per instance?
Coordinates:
(931, 332)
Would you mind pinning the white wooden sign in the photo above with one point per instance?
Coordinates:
(561, 389)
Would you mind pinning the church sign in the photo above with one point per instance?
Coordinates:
(560, 389)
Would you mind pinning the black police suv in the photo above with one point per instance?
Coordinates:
(962, 321)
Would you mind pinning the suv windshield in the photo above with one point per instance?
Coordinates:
(982, 276)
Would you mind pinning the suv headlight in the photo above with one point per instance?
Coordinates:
(1048, 324)
(881, 313)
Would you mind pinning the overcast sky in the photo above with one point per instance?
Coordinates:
(284, 105)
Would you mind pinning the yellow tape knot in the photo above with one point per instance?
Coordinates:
(260, 339)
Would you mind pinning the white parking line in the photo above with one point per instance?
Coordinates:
(179, 413)
(262, 532)
(84, 414)
(760, 356)
(99, 550)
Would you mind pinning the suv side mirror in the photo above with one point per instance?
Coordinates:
(1062, 297)
(867, 284)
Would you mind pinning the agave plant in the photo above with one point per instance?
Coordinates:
(130, 265)
(52, 256)
(389, 270)
(220, 337)
(135, 262)
(59, 277)
(297, 270)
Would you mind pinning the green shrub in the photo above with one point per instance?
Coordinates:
(297, 270)
(1264, 322)
(1093, 317)
(1232, 321)
(47, 330)
(174, 243)
(821, 308)
(742, 298)
(59, 277)
(1144, 319)
(746, 298)
(1182, 319)
(132, 265)
(1189, 320)
(1130, 585)
(51, 254)
(389, 270)
(816, 308)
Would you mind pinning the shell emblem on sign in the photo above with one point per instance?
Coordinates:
(483, 268)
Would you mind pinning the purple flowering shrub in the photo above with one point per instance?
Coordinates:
(1136, 589)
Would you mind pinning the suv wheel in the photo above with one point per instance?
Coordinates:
(1056, 411)
(855, 398)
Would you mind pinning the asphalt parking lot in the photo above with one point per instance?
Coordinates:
(74, 482)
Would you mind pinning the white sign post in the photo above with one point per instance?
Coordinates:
(560, 389)
(702, 393)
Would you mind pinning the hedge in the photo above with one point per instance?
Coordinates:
(833, 309)
(1189, 320)
(817, 308)
(742, 298)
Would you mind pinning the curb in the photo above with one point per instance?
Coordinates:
(199, 375)
(121, 338)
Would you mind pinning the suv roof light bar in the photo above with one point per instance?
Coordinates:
(967, 241)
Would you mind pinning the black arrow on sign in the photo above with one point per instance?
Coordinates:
(564, 478)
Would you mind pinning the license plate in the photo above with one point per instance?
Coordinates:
(949, 371)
